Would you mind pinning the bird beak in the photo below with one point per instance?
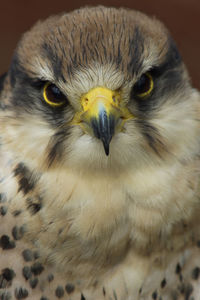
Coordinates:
(102, 114)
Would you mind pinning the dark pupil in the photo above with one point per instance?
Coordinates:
(142, 85)
(54, 94)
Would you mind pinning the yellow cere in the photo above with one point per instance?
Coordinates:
(98, 99)
(100, 96)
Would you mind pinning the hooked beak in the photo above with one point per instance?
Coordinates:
(103, 114)
(104, 128)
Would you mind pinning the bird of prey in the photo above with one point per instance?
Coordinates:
(99, 156)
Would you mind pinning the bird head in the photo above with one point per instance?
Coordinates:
(97, 88)
(101, 115)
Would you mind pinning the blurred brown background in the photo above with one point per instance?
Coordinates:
(182, 18)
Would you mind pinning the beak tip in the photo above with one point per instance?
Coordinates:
(106, 147)
(107, 152)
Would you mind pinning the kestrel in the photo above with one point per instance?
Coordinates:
(99, 177)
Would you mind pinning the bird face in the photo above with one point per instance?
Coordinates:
(97, 88)
(102, 115)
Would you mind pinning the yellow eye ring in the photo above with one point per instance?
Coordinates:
(53, 96)
(145, 84)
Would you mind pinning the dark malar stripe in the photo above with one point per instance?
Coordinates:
(56, 147)
(152, 136)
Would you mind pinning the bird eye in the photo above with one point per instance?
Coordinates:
(53, 96)
(144, 86)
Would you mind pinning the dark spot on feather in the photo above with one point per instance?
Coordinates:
(188, 291)
(6, 278)
(163, 283)
(18, 232)
(59, 292)
(178, 269)
(34, 204)
(154, 295)
(3, 198)
(8, 274)
(82, 297)
(17, 212)
(198, 244)
(36, 254)
(195, 273)
(3, 282)
(3, 210)
(69, 288)
(50, 277)
(27, 255)
(104, 291)
(60, 231)
(5, 295)
(33, 282)
(181, 288)
(37, 268)
(6, 243)
(25, 185)
(21, 293)
(185, 225)
(35, 207)
(25, 178)
(26, 271)
(44, 298)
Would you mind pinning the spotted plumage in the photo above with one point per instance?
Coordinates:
(99, 156)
